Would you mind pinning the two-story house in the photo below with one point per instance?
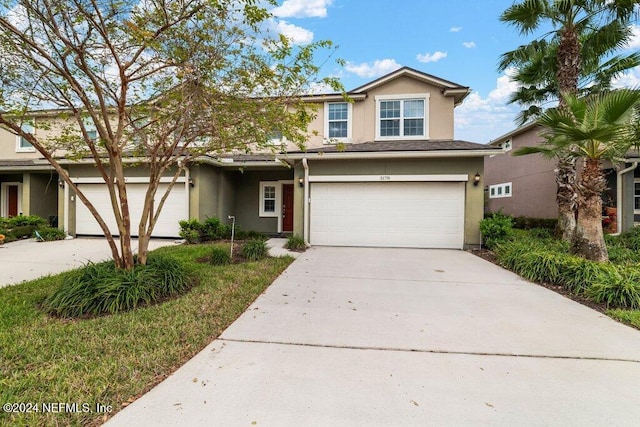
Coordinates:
(382, 170)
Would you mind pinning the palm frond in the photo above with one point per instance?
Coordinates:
(525, 16)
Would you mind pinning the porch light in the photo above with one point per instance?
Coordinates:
(61, 183)
(191, 183)
(476, 179)
(301, 181)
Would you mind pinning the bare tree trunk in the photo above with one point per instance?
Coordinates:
(569, 66)
(566, 196)
(143, 248)
(588, 240)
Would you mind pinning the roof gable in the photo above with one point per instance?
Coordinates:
(449, 88)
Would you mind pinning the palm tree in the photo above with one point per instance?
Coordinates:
(593, 128)
(576, 53)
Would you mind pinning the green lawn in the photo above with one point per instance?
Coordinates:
(111, 360)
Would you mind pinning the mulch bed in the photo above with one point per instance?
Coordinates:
(490, 256)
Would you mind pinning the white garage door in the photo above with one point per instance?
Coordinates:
(388, 214)
(174, 209)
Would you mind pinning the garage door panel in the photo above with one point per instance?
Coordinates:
(174, 209)
(389, 214)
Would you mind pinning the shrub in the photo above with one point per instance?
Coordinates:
(27, 220)
(541, 233)
(295, 243)
(219, 256)
(255, 250)
(22, 231)
(249, 235)
(102, 288)
(616, 288)
(495, 229)
(49, 234)
(213, 229)
(191, 230)
(527, 223)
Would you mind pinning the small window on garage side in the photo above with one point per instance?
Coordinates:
(268, 199)
(500, 190)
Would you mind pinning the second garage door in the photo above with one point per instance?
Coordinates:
(388, 214)
(174, 209)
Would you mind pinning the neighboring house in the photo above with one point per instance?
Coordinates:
(526, 185)
(383, 170)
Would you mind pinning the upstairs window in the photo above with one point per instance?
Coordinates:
(276, 138)
(337, 122)
(402, 117)
(22, 145)
(91, 130)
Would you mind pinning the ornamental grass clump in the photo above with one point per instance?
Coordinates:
(101, 288)
(255, 250)
(219, 256)
(617, 287)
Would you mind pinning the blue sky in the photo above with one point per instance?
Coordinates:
(458, 40)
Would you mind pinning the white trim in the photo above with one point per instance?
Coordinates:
(635, 181)
(389, 178)
(499, 191)
(5, 197)
(349, 138)
(277, 200)
(127, 180)
(66, 209)
(404, 71)
(402, 98)
(305, 203)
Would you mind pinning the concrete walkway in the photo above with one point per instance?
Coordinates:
(27, 259)
(363, 336)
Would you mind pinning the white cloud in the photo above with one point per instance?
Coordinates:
(634, 43)
(455, 29)
(302, 9)
(431, 57)
(297, 34)
(469, 45)
(481, 119)
(317, 88)
(378, 68)
(630, 79)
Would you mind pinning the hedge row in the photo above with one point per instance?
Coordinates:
(548, 261)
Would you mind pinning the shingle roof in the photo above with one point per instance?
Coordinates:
(419, 145)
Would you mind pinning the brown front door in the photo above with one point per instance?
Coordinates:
(13, 200)
(287, 207)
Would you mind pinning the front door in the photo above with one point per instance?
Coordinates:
(287, 207)
(12, 205)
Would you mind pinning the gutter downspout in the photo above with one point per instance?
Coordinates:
(619, 195)
(187, 189)
(305, 226)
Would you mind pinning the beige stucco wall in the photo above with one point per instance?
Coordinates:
(363, 118)
(474, 196)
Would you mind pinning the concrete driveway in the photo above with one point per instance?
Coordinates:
(362, 336)
(28, 259)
